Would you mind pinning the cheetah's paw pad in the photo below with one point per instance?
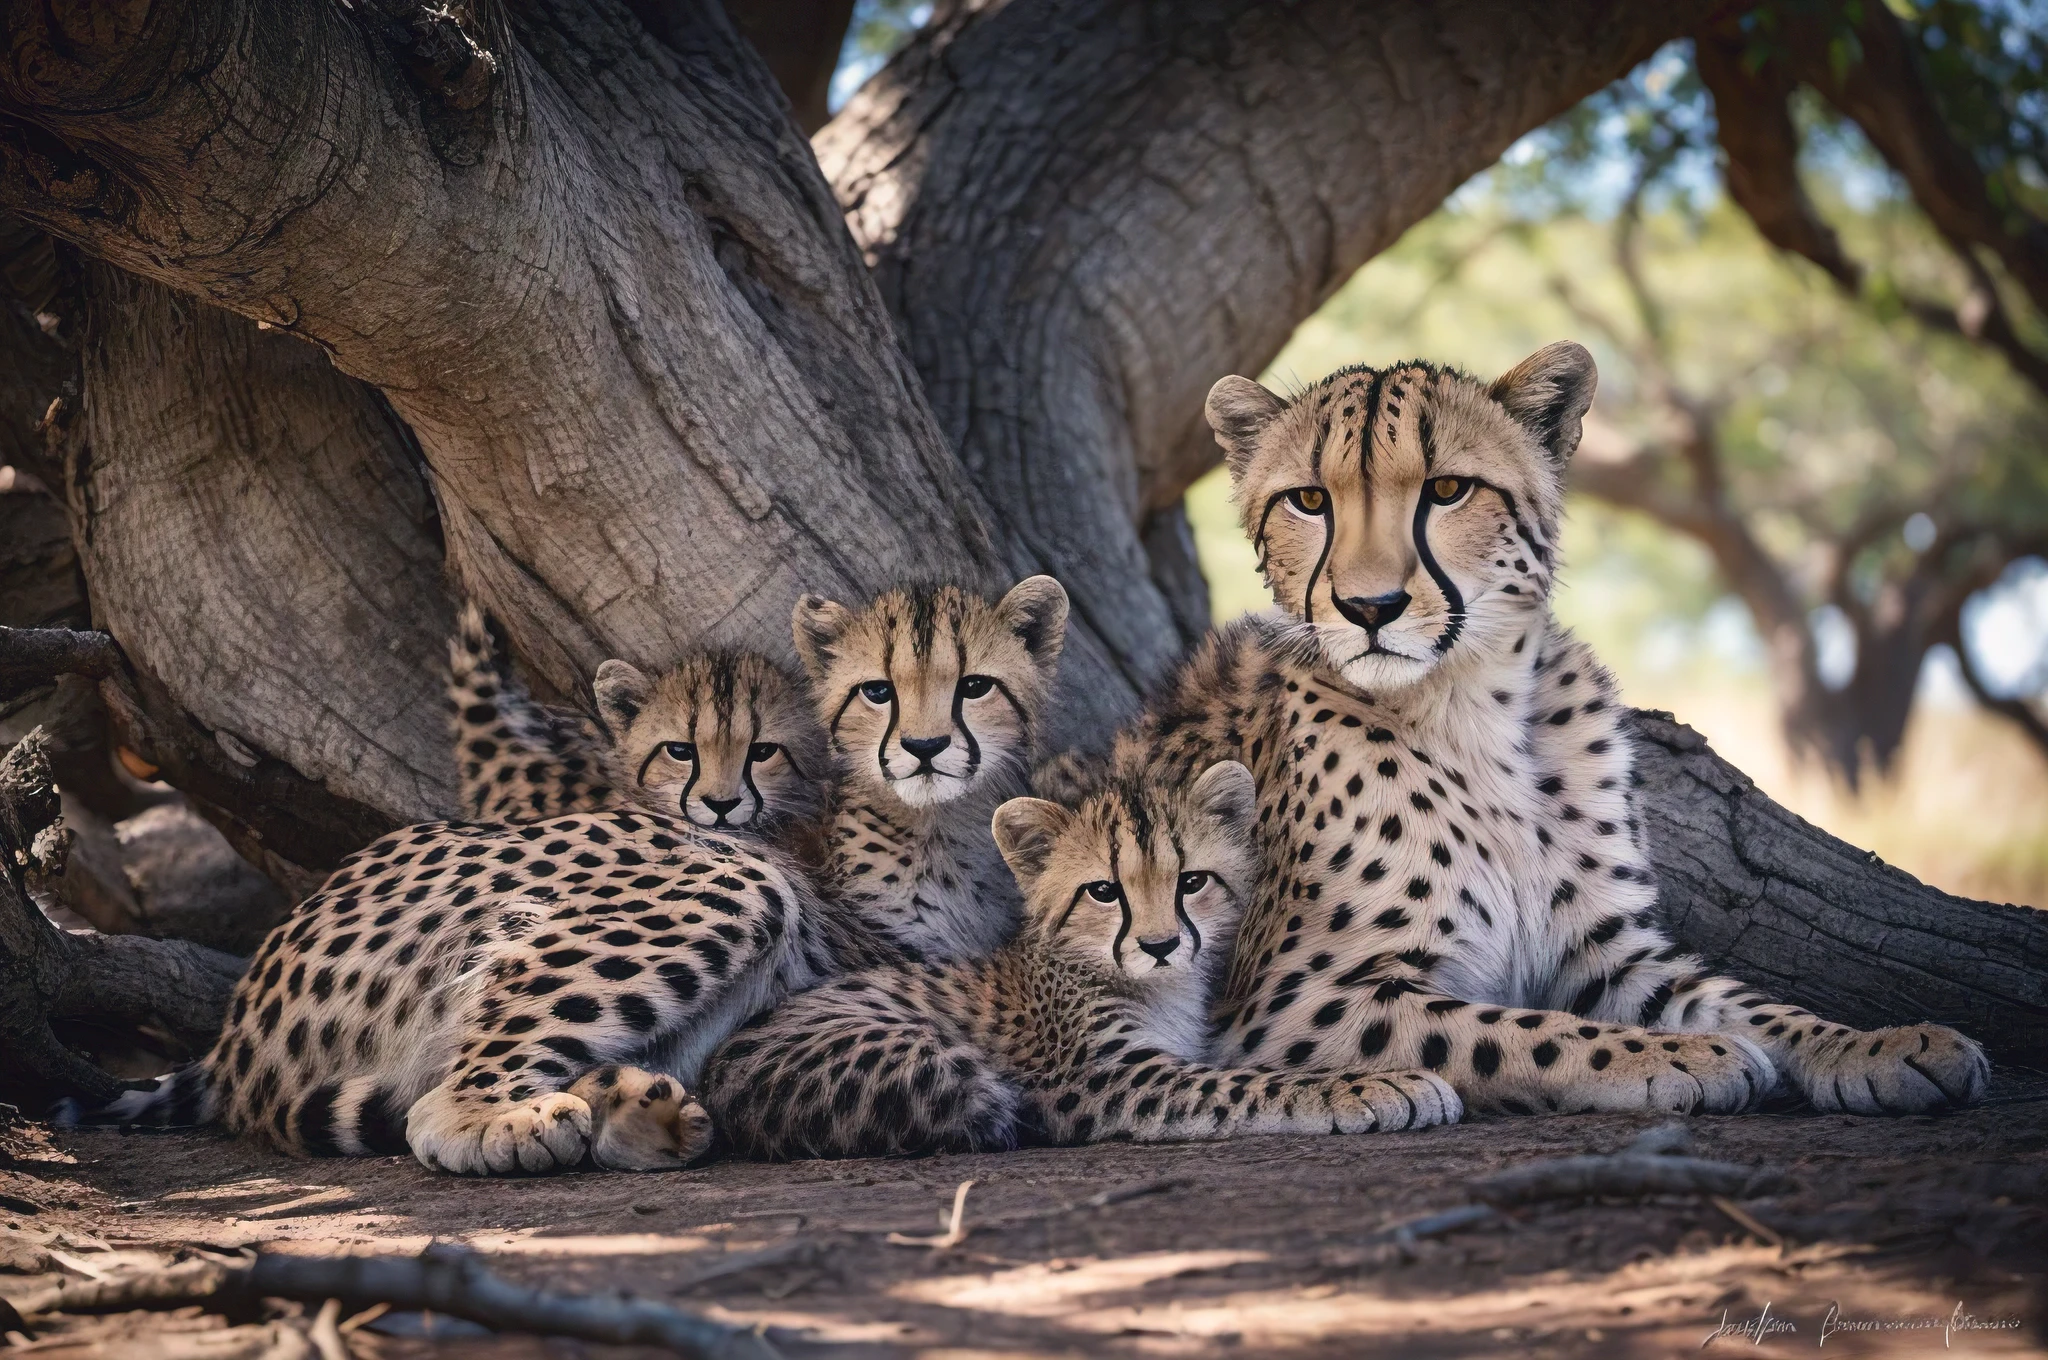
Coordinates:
(1908, 1069)
(1386, 1102)
(642, 1121)
(456, 1132)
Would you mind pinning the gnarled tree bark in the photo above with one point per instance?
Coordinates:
(227, 484)
(48, 974)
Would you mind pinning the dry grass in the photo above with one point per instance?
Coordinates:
(1965, 808)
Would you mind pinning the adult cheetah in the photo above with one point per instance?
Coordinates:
(1089, 1025)
(1455, 875)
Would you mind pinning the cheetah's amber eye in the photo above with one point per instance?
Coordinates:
(680, 750)
(1449, 490)
(1192, 883)
(1310, 500)
(762, 750)
(975, 686)
(1103, 890)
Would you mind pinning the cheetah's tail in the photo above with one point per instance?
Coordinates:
(179, 1099)
(900, 1089)
(472, 656)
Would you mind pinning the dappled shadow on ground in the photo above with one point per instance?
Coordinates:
(1257, 1247)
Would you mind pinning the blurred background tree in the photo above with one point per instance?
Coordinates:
(1812, 506)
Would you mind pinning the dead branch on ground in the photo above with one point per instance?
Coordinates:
(444, 1278)
(1654, 1164)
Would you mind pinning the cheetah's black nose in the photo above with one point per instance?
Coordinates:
(924, 748)
(721, 806)
(1159, 949)
(1373, 611)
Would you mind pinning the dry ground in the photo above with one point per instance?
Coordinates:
(1258, 1247)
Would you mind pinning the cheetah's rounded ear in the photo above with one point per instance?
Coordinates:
(1025, 829)
(1036, 610)
(1548, 394)
(817, 625)
(622, 691)
(1238, 409)
(1227, 792)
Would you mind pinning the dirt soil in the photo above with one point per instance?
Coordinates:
(1264, 1246)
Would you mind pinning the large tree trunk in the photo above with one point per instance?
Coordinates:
(312, 719)
(598, 275)
(1084, 214)
(590, 263)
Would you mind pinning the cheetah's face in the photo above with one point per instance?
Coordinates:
(1408, 515)
(726, 741)
(928, 694)
(1145, 880)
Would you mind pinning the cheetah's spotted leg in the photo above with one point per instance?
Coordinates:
(1906, 1069)
(1503, 1059)
(1149, 1097)
(641, 1120)
(810, 1082)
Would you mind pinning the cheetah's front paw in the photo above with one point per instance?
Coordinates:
(1386, 1102)
(1905, 1070)
(641, 1120)
(469, 1138)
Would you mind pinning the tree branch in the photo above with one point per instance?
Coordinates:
(30, 657)
(46, 973)
(799, 40)
(1755, 129)
(2012, 708)
(445, 1278)
(1887, 95)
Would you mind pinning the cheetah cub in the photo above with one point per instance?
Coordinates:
(1088, 1026)
(930, 697)
(500, 998)
(1454, 868)
(725, 740)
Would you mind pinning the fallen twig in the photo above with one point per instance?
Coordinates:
(955, 1232)
(733, 1262)
(1749, 1223)
(1647, 1166)
(1410, 1231)
(444, 1278)
(325, 1333)
(35, 656)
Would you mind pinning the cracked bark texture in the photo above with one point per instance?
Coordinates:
(614, 300)
(1811, 919)
(227, 484)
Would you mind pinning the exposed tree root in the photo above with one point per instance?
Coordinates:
(444, 1278)
(48, 973)
(1653, 1164)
